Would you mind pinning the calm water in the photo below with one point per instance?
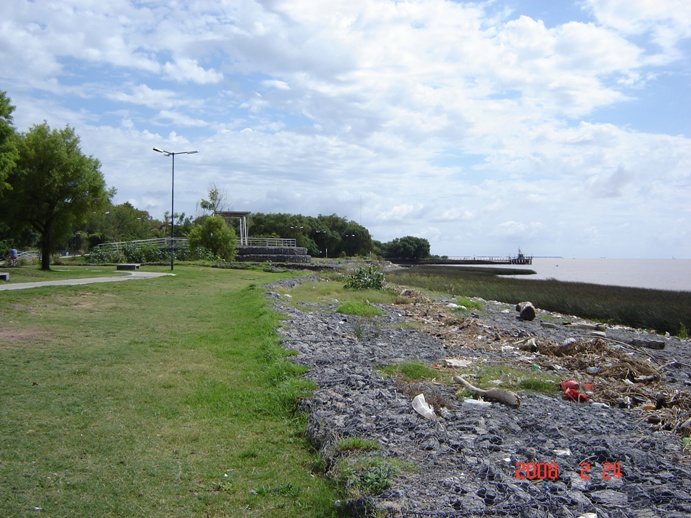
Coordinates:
(660, 274)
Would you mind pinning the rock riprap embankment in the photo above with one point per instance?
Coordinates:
(549, 457)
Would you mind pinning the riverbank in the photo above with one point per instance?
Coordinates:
(469, 460)
(664, 311)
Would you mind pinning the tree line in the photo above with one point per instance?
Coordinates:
(55, 198)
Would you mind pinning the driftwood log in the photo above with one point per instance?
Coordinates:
(502, 396)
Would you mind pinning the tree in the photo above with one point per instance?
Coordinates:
(8, 141)
(216, 201)
(55, 186)
(116, 223)
(216, 236)
(408, 248)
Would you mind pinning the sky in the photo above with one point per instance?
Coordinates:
(560, 128)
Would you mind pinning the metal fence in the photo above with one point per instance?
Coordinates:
(277, 242)
(165, 242)
(161, 242)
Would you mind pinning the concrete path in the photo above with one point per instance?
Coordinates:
(77, 282)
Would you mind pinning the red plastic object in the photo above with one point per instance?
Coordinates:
(570, 384)
(574, 395)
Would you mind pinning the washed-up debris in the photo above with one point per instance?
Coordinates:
(502, 396)
(575, 395)
(571, 391)
(459, 363)
(526, 311)
(423, 408)
(570, 384)
(647, 343)
(475, 403)
(646, 379)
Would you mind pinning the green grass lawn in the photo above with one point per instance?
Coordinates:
(158, 397)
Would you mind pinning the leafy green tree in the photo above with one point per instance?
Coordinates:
(216, 236)
(408, 248)
(331, 236)
(8, 141)
(118, 223)
(54, 187)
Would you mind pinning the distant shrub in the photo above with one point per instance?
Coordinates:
(202, 253)
(683, 331)
(104, 255)
(367, 278)
(134, 254)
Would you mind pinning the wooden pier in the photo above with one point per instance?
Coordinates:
(519, 259)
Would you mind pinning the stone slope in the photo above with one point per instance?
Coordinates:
(472, 460)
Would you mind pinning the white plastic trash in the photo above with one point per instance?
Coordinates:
(475, 403)
(422, 407)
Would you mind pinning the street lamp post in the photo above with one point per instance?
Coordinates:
(172, 197)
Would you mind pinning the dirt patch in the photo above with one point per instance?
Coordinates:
(21, 337)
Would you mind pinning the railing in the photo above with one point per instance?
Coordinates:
(521, 259)
(278, 242)
(164, 242)
(161, 242)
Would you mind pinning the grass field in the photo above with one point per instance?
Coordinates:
(172, 396)
(158, 397)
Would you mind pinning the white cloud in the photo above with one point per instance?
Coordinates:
(446, 120)
(144, 95)
(180, 120)
(668, 22)
(189, 70)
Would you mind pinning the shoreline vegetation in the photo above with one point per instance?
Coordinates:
(661, 310)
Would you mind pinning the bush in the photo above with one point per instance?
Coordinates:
(201, 253)
(104, 255)
(214, 235)
(367, 278)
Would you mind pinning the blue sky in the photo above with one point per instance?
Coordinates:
(561, 127)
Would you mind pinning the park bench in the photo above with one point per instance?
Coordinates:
(5, 276)
(128, 266)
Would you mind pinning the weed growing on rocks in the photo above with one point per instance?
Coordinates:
(366, 278)
(410, 371)
(356, 443)
(361, 309)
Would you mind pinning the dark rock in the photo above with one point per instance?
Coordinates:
(609, 497)
(466, 463)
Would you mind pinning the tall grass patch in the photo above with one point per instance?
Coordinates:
(410, 371)
(323, 293)
(358, 308)
(663, 311)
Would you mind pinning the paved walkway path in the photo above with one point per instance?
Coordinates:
(76, 282)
